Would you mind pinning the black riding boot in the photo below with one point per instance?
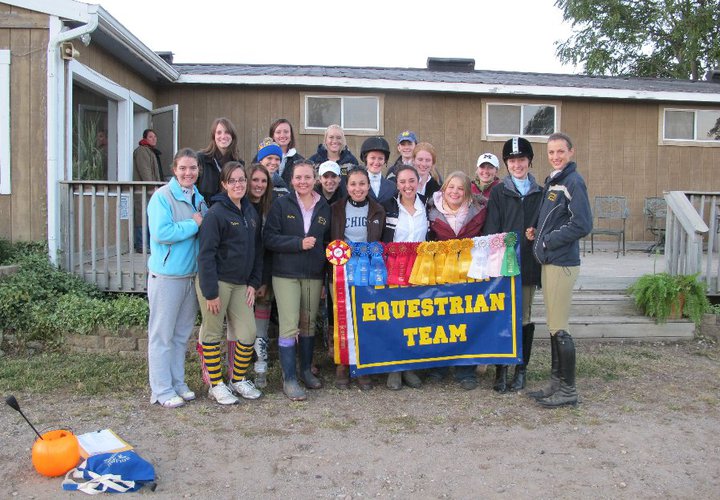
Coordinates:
(554, 384)
(567, 394)
(307, 344)
(518, 381)
(500, 384)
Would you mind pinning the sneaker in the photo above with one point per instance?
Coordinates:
(222, 395)
(246, 389)
(173, 402)
(187, 395)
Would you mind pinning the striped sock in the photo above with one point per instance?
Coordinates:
(211, 358)
(243, 356)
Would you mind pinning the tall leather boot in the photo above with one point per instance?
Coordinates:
(567, 394)
(554, 384)
(307, 344)
(518, 381)
(291, 388)
(500, 384)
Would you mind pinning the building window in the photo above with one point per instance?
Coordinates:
(698, 125)
(357, 115)
(4, 122)
(534, 120)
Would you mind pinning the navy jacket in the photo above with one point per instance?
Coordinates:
(347, 159)
(230, 246)
(283, 234)
(509, 211)
(565, 217)
(387, 191)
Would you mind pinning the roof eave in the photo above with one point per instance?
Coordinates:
(109, 25)
(471, 88)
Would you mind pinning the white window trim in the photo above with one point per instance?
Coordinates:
(125, 98)
(662, 141)
(5, 158)
(348, 131)
(504, 137)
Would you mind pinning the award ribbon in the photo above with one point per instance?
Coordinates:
(510, 266)
(338, 253)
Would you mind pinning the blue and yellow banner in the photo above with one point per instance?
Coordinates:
(408, 328)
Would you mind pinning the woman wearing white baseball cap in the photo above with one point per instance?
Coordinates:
(485, 175)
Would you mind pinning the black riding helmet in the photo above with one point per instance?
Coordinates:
(517, 147)
(374, 144)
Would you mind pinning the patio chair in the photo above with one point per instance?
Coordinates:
(655, 213)
(611, 213)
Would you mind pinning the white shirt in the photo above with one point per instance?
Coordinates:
(413, 227)
(375, 180)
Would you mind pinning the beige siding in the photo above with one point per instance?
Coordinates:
(616, 141)
(23, 214)
(97, 59)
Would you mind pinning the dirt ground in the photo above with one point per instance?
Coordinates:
(648, 427)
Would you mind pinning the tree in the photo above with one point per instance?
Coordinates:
(656, 38)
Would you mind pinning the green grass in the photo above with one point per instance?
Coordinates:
(82, 374)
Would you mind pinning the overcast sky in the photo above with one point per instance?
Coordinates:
(511, 35)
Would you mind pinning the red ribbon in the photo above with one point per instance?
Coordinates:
(340, 330)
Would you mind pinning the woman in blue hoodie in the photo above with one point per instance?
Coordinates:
(229, 273)
(175, 213)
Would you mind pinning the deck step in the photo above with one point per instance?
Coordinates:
(611, 314)
(630, 331)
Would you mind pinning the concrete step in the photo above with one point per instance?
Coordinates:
(611, 314)
(594, 304)
(622, 328)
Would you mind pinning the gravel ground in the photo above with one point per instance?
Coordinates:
(647, 427)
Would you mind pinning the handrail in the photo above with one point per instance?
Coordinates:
(692, 229)
(104, 232)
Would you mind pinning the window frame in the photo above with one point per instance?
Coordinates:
(663, 141)
(304, 129)
(5, 156)
(121, 112)
(486, 136)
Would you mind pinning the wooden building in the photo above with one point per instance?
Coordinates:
(77, 89)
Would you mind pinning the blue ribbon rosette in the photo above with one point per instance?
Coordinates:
(362, 268)
(378, 271)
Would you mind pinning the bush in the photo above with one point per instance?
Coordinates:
(43, 302)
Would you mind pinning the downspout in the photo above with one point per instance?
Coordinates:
(56, 146)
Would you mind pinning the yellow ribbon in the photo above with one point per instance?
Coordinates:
(465, 260)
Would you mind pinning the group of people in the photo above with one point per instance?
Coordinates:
(237, 241)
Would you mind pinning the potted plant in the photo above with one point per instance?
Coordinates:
(662, 296)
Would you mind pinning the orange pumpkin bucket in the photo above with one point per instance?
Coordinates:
(56, 453)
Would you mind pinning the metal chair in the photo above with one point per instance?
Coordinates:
(655, 213)
(610, 212)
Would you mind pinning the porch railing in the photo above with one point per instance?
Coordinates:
(104, 232)
(692, 243)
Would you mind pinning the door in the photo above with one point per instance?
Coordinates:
(165, 122)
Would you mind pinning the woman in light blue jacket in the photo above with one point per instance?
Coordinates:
(175, 213)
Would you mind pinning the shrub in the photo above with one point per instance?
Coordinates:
(43, 302)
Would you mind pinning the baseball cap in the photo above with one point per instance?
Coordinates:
(329, 166)
(488, 158)
(407, 135)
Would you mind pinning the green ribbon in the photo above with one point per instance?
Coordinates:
(510, 266)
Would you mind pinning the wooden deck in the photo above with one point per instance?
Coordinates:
(126, 272)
